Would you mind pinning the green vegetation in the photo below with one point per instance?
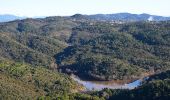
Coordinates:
(33, 49)
(160, 76)
(13, 50)
(22, 81)
(34, 41)
(105, 51)
(120, 51)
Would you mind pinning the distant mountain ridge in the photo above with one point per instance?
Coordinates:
(124, 17)
(104, 17)
(8, 17)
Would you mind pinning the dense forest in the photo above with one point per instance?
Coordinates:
(107, 52)
(34, 52)
(24, 81)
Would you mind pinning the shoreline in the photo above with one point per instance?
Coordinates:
(99, 85)
(117, 81)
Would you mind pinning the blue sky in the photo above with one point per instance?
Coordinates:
(32, 8)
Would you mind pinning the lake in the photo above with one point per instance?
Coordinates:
(99, 85)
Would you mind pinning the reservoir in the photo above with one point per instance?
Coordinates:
(99, 85)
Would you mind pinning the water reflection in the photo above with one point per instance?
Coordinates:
(93, 85)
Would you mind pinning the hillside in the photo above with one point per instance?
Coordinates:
(33, 52)
(104, 51)
(93, 49)
(34, 41)
(23, 81)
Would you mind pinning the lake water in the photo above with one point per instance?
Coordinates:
(99, 85)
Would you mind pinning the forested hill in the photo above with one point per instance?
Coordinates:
(95, 49)
(32, 50)
(100, 17)
(24, 81)
(129, 17)
(105, 51)
(34, 41)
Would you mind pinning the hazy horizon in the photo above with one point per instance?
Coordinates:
(33, 8)
(77, 13)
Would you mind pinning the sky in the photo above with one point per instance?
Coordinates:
(32, 8)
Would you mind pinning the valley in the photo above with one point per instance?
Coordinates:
(85, 58)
